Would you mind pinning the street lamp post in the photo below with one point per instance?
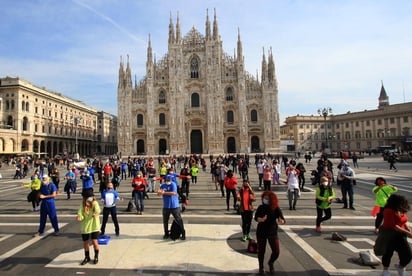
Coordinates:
(325, 112)
(77, 120)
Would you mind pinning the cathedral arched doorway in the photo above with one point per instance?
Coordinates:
(196, 141)
(231, 145)
(140, 147)
(162, 146)
(255, 144)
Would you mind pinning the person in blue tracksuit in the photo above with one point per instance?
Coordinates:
(48, 192)
(109, 198)
(87, 182)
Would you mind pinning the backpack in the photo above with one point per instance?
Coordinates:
(130, 206)
(252, 246)
(175, 230)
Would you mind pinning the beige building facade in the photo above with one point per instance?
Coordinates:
(34, 120)
(198, 99)
(388, 125)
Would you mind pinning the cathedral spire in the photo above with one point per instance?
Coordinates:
(239, 47)
(128, 74)
(271, 66)
(171, 30)
(149, 61)
(264, 67)
(208, 35)
(178, 34)
(121, 74)
(215, 28)
(383, 98)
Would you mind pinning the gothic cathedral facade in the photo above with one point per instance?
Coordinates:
(198, 99)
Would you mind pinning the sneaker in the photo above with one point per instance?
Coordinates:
(248, 237)
(352, 208)
(260, 188)
(165, 236)
(244, 238)
(38, 234)
(401, 271)
(57, 233)
(318, 229)
(386, 273)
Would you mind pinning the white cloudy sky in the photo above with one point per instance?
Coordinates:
(327, 53)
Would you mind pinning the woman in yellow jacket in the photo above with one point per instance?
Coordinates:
(88, 215)
(34, 195)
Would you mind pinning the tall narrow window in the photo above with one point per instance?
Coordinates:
(162, 119)
(253, 116)
(162, 97)
(25, 124)
(229, 94)
(194, 68)
(195, 100)
(230, 117)
(139, 120)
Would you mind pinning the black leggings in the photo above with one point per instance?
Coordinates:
(246, 221)
(274, 246)
(399, 244)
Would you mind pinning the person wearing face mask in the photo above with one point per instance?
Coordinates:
(246, 196)
(382, 192)
(268, 215)
(324, 196)
(109, 198)
(48, 192)
(88, 215)
(168, 190)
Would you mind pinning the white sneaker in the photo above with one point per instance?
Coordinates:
(401, 271)
(386, 273)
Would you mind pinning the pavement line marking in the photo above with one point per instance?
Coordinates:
(6, 236)
(28, 243)
(353, 248)
(325, 264)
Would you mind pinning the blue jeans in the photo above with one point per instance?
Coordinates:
(113, 213)
(347, 189)
(139, 200)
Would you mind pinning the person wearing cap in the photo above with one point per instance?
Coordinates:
(48, 192)
(168, 190)
(87, 182)
(346, 178)
(324, 196)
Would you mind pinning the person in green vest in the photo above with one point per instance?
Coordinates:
(382, 192)
(194, 171)
(34, 195)
(324, 196)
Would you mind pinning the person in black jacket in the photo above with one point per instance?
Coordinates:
(268, 216)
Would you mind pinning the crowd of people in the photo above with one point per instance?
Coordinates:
(171, 179)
